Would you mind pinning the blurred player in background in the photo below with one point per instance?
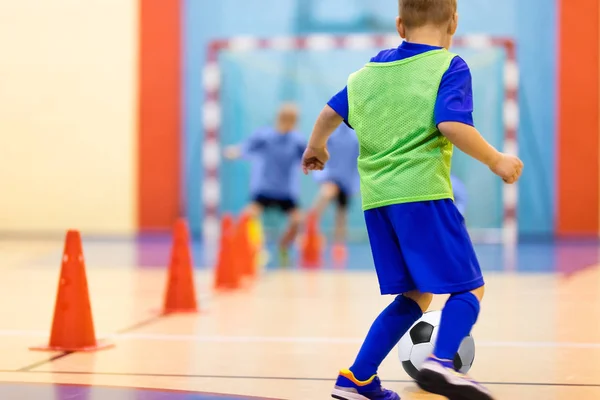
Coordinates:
(460, 194)
(409, 106)
(275, 154)
(339, 181)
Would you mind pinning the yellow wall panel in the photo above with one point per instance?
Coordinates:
(68, 93)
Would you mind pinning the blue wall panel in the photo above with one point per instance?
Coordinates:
(532, 23)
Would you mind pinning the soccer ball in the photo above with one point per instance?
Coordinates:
(417, 344)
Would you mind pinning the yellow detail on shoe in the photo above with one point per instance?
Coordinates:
(461, 375)
(346, 373)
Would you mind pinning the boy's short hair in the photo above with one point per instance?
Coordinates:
(417, 13)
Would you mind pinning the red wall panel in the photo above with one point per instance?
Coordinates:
(578, 165)
(159, 113)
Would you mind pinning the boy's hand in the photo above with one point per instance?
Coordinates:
(232, 152)
(314, 159)
(508, 168)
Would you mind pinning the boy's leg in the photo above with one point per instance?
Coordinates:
(341, 216)
(339, 251)
(294, 221)
(441, 259)
(437, 374)
(385, 333)
(458, 318)
(254, 209)
(258, 204)
(327, 192)
(340, 229)
(392, 323)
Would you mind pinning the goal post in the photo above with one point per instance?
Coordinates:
(492, 218)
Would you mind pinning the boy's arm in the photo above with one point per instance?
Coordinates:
(454, 119)
(316, 154)
(339, 103)
(336, 111)
(454, 113)
(251, 145)
(327, 122)
(232, 152)
(469, 140)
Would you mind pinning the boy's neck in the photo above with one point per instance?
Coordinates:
(428, 36)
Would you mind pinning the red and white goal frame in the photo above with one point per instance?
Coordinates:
(211, 185)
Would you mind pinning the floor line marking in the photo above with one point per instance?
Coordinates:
(158, 375)
(292, 339)
(64, 354)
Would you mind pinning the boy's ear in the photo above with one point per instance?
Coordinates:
(453, 24)
(400, 27)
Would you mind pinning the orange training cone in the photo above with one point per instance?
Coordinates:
(226, 275)
(73, 325)
(181, 292)
(311, 246)
(339, 255)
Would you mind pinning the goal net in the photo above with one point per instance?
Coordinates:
(247, 78)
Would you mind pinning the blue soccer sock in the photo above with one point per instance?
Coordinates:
(458, 317)
(386, 331)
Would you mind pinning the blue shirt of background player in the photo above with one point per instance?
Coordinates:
(342, 167)
(460, 194)
(275, 163)
(455, 96)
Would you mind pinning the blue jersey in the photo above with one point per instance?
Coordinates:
(455, 95)
(342, 166)
(276, 161)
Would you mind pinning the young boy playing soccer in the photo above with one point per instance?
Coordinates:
(409, 106)
(275, 153)
(339, 181)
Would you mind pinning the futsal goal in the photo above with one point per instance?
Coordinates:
(246, 78)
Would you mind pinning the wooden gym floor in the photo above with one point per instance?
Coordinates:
(538, 336)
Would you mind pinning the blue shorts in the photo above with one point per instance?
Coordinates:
(424, 246)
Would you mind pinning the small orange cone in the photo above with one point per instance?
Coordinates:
(73, 325)
(311, 245)
(339, 255)
(181, 293)
(226, 275)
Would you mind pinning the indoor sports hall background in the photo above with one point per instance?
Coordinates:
(107, 97)
(113, 118)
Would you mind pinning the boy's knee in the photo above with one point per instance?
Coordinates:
(253, 210)
(479, 292)
(422, 299)
(296, 217)
(471, 299)
(329, 190)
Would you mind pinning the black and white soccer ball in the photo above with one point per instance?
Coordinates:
(417, 344)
